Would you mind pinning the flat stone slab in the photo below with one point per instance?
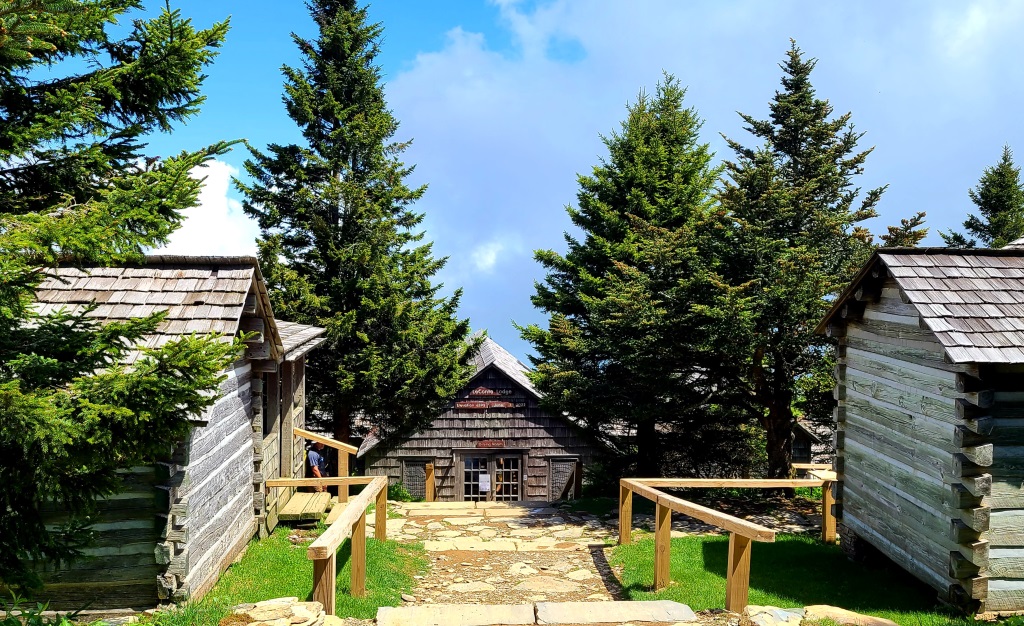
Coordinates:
(616, 611)
(438, 505)
(441, 512)
(547, 584)
(456, 615)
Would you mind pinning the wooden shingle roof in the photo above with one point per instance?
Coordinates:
(298, 339)
(491, 353)
(971, 299)
(200, 295)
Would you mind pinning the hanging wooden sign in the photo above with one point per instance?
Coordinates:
(490, 443)
(483, 405)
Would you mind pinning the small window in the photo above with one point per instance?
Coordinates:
(801, 450)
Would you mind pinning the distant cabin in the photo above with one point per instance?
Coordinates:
(930, 441)
(811, 442)
(493, 442)
(180, 523)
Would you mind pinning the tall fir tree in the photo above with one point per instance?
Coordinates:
(619, 352)
(78, 95)
(797, 242)
(999, 198)
(340, 246)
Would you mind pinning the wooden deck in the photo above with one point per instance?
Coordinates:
(305, 506)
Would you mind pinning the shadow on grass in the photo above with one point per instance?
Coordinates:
(793, 571)
(806, 571)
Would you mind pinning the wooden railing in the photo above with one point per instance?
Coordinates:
(352, 523)
(741, 532)
(344, 450)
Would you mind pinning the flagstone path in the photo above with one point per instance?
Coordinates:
(516, 553)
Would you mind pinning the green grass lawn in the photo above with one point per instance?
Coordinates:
(275, 568)
(794, 571)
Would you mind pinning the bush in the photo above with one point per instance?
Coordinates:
(15, 615)
(399, 493)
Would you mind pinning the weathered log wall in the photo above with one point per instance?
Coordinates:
(913, 451)
(1006, 527)
(177, 525)
(212, 506)
(120, 569)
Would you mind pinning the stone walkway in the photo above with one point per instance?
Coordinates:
(521, 553)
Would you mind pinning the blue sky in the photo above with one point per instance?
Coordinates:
(506, 101)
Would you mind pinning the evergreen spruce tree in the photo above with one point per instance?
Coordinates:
(339, 244)
(999, 198)
(77, 187)
(797, 243)
(620, 352)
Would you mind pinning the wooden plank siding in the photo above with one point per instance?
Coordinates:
(905, 452)
(524, 429)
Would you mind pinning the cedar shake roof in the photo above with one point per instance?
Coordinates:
(972, 299)
(200, 294)
(298, 339)
(490, 353)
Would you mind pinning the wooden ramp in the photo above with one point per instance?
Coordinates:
(305, 506)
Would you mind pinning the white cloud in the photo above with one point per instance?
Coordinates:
(485, 256)
(217, 226)
(968, 34)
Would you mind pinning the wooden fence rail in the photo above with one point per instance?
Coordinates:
(344, 450)
(741, 532)
(351, 523)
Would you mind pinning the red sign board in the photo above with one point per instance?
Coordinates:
(483, 405)
(490, 443)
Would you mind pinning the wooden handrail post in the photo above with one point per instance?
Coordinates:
(737, 582)
(359, 557)
(828, 519)
(380, 528)
(431, 487)
(342, 471)
(625, 514)
(662, 545)
(325, 582)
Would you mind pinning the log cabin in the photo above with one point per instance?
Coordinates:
(179, 523)
(493, 442)
(930, 418)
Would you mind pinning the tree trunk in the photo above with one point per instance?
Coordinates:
(648, 450)
(779, 434)
(342, 424)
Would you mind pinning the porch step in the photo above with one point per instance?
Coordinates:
(336, 509)
(657, 611)
(305, 506)
(648, 611)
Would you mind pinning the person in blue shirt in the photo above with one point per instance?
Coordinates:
(317, 462)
